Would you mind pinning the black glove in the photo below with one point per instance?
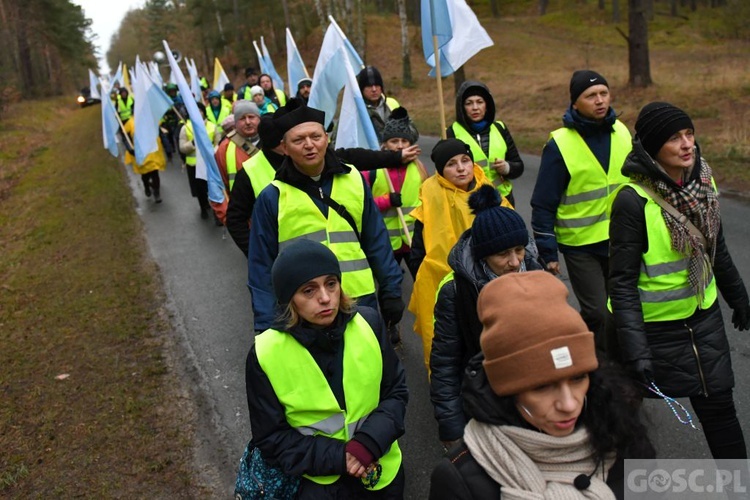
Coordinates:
(395, 200)
(741, 317)
(642, 370)
(391, 308)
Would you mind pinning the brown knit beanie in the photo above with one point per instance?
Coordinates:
(531, 336)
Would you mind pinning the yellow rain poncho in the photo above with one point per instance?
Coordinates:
(154, 161)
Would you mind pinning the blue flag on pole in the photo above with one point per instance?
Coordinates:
(205, 167)
(110, 125)
(459, 34)
(295, 68)
(93, 83)
(330, 71)
(278, 82)
(151, 102)
(355, 129)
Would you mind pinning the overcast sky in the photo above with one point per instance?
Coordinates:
(106, 17)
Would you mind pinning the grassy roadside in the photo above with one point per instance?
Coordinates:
(90, 403)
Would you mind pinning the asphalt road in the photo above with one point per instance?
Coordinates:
(205, 274)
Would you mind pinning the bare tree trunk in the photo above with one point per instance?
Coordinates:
(361, 45)
(348, 17)
(616, 11)
(601, 4)
(638, 58)
(287, 21)
(321, 15)
(673, 8)
(543, 7)
(648, 9)
(406, 63)
(495, 8)
(24, 55)
(459, 77)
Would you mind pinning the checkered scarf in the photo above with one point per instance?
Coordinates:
(700, 203)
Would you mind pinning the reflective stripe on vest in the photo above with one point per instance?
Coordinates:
(300, 217)
(259, 171)
(497, 149)
(583, 213)
(309, 404)
(663, 283)
(191, 160)
(409, 198)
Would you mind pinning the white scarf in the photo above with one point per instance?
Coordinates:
(532, 465)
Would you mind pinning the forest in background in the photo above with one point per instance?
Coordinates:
(47, 48)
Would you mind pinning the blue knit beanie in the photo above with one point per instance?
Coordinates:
(297, 264)
(495, 228)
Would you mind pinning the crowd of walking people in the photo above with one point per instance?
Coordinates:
(533, 398)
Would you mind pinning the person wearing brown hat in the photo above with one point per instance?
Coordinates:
(379, 106)
(440, 219)
(494, 245)
(489, 139)
(546, 420)
(668, 261)
(578, 173)
(326, 391)
(316, 196)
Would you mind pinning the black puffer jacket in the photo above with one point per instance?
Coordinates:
(297, 454)
(456, 340)
(511, 156)
(690, 356)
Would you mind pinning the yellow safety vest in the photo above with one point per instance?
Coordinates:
(663, 284)
(125, 108)
(309, 403)
(259, 171)
(280, 96)
(224, 112)
(497, 150)
(409, 198)
(192, 159)
(583, 213)
(392, 103)
(299, 217)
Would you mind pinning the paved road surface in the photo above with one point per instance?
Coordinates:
(205, 276)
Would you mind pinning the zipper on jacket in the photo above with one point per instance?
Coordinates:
(320, 190)
(698, 361)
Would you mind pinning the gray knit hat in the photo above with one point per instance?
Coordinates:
(244, 107)
(399, 125)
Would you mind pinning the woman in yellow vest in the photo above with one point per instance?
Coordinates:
(489, 139)
(149, 169)
(326, 392)
(441, 218)
(664, 275)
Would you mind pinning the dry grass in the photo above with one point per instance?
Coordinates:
(79, 299)
(529, 68)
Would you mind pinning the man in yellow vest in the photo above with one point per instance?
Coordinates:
(236, 148)
(315, 196)
(579, 172)
(125, 105)
(251, 79)
(379, 106)
(228, 96)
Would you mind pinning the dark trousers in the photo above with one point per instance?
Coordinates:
(588, 276)
(721, 427)
(198, 188)
(151, 180)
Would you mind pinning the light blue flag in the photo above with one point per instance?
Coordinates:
(195, 82)
(110, 125)
(278, 82)
(353, 55)
(330, 72)
(205, 167)
(93, 83)
(295, 68)
(151, 102)
(459, 34)
(355, 129)
(118, 75)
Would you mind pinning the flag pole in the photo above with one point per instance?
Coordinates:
(438, 74)
(125, 134)
(297, 50)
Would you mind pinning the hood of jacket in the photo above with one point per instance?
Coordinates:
(586, 127)
(463, 264)
(639, 162)
(478, 88)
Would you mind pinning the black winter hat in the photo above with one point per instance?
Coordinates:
(369, 76)
(228, 86)
(657, 122)
(583, 79)
(399, 125)
(294, 113)
(445, 149)
(250, 71)
(495, 228)
(303, 82)
(268, 132)
(297, 264)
